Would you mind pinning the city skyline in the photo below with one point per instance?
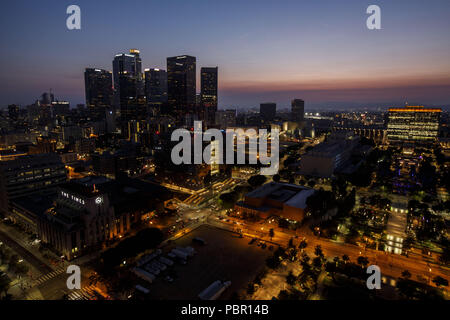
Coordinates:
(264, 52)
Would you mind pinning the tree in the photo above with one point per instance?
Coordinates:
(291, 243)
(4, 283)
(291, 279)
(273, 262)
(345, 258)
(317, 262)
(21, 269)
(271, 234)
(362, 261)
(251, 288)
(320, 202)
(318, 251)
(440, 282)
(257, 180)
(228, 200)
(292, 254)
(303, 244)
(406, 274)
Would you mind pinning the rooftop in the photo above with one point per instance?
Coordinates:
(290, 194)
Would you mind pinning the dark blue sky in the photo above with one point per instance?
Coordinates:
(266, 50)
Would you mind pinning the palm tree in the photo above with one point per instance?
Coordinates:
(302, 245)
(345, 258)
(318, 251)
(336, 260)
(406, 274)
(363, 261)
(290, 278)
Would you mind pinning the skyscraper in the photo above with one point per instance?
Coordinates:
(129, 65)
(268, 111)
(181, 82)
(99, 90)
(413, 124)
(13, 112)
(156, 86)
(128, 88)
(209, 84)
(298, 110)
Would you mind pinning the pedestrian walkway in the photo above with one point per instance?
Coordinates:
(48, 276)
(87, 293)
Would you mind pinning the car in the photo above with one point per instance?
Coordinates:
(260, 243)
(263, 246)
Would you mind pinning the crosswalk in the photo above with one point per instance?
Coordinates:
(198, 198)
(86, 293)
(49, 276)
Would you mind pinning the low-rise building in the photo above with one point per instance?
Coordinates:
(28, 175)
(323, 160)
(287, 201)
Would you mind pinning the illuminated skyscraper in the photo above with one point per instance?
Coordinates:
(181, 82)
(129, 65)
(99, 90)
(413, 124)
(209, 84)
(156, 86)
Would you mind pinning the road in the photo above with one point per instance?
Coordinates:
(390, 264)
(25, 254)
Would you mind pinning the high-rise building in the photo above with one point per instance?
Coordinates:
(413, 124)
(181, 83)
(209, 85)
(129, 65)
(268, 111)
(298, 110)
(99, 90)
(156, 86)
(60, 108)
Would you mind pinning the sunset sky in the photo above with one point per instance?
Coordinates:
(320, 51)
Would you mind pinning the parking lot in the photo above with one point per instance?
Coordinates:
(224, 257)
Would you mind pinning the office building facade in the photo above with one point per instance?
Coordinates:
(99, 91)
(181, 83)
(413, 124)
(156, 86)
(298, 110)
(29, 175)
(268, 111)
(209, 90)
